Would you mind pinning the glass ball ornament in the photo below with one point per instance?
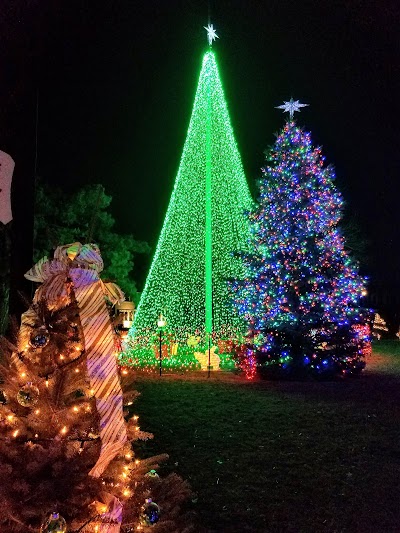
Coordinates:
(55, 523)
(39, 338)
(28, 395)
(149, 514)
(152, 474)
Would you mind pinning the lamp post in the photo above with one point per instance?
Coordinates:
(161, 323)
(123, 317)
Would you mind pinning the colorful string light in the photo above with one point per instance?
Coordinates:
(301, 295)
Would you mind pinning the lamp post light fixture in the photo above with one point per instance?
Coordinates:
(161, 324)
(123, 317)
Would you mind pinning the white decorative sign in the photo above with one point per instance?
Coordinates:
(6, 171)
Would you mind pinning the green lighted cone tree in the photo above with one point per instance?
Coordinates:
(204, 224)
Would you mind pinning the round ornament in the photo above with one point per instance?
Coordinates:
(150, 513)
(55, 523)
(28, 395)
(3, 397)
(152, 474)
(39, 337)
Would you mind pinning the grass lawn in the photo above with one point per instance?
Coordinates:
(283, 456)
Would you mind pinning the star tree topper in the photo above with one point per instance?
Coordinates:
(291, 106)
(211, 34)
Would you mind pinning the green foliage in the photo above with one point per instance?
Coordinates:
(83, 216)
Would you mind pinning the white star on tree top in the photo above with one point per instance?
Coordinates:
(211, 34)
(291, 106)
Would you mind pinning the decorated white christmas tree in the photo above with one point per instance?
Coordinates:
(67, 455)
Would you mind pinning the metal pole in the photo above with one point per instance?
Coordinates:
(208, 228)
(160, 351)
(209, 357)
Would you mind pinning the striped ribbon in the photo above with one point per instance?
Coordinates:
(101, 364)
(112, 518)
(81, 264)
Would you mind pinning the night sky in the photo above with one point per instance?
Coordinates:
(116, 82)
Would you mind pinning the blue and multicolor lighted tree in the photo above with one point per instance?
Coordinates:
(301, 297)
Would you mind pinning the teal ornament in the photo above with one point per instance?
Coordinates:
(152, 475)
(39, 338)
(28, 395)
(55, 523)
(150, 513)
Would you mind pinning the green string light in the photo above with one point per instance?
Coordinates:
(204, 225)
(209, 146)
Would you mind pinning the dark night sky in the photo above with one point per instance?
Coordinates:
(116, 83)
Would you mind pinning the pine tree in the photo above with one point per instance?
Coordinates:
(204, 224)
(82, 214)
(301, 296)
(53, 457)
